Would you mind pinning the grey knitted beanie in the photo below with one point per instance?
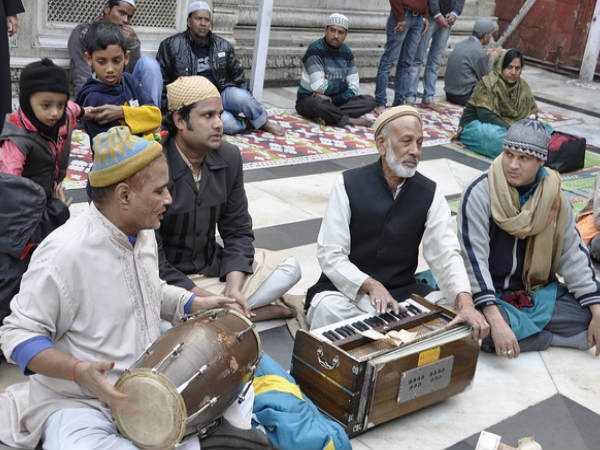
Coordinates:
(528, 136)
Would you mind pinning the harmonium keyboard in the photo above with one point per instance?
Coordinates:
(362, 382)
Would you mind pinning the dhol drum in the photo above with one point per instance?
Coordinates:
(187, 378)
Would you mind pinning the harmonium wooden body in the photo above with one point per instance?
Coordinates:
(362, 383)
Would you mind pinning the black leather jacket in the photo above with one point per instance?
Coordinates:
(177, 58)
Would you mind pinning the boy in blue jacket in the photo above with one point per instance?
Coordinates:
(110, 96)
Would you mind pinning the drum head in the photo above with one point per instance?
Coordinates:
(156, 417)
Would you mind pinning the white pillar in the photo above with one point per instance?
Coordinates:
(592, 47)
(261, 47)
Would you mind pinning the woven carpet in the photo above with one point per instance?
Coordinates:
(305, 141)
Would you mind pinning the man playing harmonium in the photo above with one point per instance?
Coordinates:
(91, 302)
(368, 245)
(517, 232)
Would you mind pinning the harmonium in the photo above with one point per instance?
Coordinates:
(365, 381)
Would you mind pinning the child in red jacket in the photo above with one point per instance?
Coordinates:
(34, 154)
(36, 139)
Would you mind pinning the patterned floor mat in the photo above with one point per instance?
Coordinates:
(305, 141)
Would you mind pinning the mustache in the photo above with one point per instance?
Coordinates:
(410, 158)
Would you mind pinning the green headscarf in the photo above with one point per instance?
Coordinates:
(511, 102)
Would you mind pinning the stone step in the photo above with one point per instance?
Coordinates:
(293, 28)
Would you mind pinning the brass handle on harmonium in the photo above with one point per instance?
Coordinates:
(329, 366)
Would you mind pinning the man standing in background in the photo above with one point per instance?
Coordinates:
(8, 15)
(405, 25)
(444, 14)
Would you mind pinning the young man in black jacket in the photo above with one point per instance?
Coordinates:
(197, 51)
(207, 186)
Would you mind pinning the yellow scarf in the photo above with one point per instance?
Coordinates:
(542, 220)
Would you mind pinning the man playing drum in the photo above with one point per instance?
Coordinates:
(91, 302)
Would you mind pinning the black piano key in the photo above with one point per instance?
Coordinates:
(342, 332)
(371, 322)
(360, 326)
(350, 330)
(379, 321)
(388, 317)
(382, 318)
(396, 315)
(413, 309)
(331, 336)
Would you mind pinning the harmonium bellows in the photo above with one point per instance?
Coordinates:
(361, 382)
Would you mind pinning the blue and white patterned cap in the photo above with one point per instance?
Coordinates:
(118, 154)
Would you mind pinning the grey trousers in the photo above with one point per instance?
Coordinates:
(569, 318)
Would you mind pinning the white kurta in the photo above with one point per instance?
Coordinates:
(440, 249)
(97, 298)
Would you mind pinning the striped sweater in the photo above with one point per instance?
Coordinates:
(329, 71)
(494, 259)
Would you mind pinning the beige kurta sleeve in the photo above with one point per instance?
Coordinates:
(42, 307)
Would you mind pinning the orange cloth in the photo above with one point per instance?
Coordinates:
(586, 227)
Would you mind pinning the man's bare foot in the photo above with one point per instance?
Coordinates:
(360, 121)
(274, 128)
(379, 109)
(321, 121)
(272, 311)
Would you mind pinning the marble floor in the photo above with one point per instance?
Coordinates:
(513, 398)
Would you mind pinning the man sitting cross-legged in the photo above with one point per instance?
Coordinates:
(469, 62)
(198, 51)
(377, 216)
(328, 91)
(90, 303)
(517, 233)
(207, 185)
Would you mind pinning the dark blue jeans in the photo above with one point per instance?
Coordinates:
(400, 51)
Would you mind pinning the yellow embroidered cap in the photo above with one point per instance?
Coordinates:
(188, 90)
(118, 154)
(393, 113)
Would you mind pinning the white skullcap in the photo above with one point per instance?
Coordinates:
(198, 6)
(131, 2)
(338, 19)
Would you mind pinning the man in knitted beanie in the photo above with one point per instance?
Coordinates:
(376, 219)
(89, 304)
(328, 91)
(208, 194)
(518, 234)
